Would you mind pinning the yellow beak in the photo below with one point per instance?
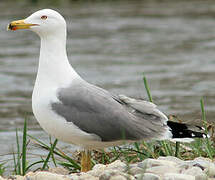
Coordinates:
(20, 24)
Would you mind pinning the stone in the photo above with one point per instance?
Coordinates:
(192, 171)
(132, 165)
(99, 166)
(106, 175)
(159, 170)
(201, 162)
(88, 177)
(163, 168)
(97, 170)
(147, 176)
(197, 172)
(171, 158)
(148, 163)
(74, 177)
(176, 176)
(183, 167)
(136, 170)
(118, 165)
(210, 170)
(46, 176)
(118, 177)
(127, 176)
(59, 170)
(201, 176)
(205, 164)
(17, 177)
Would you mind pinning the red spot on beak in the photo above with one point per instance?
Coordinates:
(14, 28)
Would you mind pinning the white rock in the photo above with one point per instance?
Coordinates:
(74, 177)
(118, 177)
(17, 177)
(201, 176)
(107, 174)
(199, 162)
(156, 162)
(171, 158)
(88, 177)
(99, 166)
(46, 176)
(136, 170)
(118, 165)
(59, 170)
(197, 172)
(210, 170)
(147, 176)
(183, 167)
(132, 165)
(175, 176)
(192, 171)
(97, 170)
(204, 163)
(159, 170)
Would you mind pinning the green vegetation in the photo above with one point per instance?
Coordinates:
(2, 169)
(135, 152)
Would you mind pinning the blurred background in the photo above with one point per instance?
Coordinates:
(110, 44)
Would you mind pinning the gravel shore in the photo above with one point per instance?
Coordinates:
(163, 168)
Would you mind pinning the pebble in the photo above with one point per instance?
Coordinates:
(163, 168)
(59, 170)
(193, 171)
(107, 174)
(118, 165)
(118, 177)
(175, 176)
(201, 176)
(46, 176)
(97, 170)
(147, 176)
(148, 163)
(171, 158)
(88, 177)
(136, 170)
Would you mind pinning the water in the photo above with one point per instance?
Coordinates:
(110, 44)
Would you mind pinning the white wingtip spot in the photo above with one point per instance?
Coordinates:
(204, 136)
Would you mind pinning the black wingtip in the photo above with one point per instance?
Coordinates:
(181, 130)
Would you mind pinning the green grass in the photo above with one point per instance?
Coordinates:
(132, 153)
(2, 169)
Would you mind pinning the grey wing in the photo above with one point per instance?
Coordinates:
(112, 118)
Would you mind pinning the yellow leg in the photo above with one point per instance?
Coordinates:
(85, 161)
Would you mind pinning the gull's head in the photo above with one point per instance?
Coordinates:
(43, 22)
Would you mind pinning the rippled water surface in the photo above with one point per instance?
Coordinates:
(111, 43)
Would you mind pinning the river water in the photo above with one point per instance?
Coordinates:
(111, 44)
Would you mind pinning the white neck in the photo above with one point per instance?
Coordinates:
(54, 69)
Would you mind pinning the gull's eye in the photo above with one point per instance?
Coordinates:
(43, 17)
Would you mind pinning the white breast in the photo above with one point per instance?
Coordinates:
(54, 124)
